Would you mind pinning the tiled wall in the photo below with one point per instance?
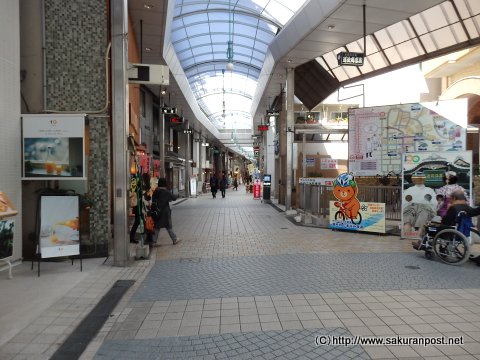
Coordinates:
(76, 41)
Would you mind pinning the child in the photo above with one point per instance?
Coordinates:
(440, 200)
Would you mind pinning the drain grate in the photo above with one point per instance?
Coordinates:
(283, 228)
(413, 267)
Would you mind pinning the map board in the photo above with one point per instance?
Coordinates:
(378, 136)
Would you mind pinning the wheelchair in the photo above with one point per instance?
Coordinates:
(451, 244)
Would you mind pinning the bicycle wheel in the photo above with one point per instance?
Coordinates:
(451, 246)
(339, 215)
(357, 220)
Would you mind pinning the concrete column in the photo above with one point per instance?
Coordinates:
(188, 165)
(119, 13)
(161, 138)
(290, 133)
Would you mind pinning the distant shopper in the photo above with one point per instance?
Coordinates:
(235, 184)
(223, 185)
(161, 205)
(213, 185)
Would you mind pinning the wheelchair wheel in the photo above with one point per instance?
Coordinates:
(451, 246)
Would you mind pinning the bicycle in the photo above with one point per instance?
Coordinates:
(342, 214)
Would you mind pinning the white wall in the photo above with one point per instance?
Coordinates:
(10, 140)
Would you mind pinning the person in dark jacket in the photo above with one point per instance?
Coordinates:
(213, 185)
(235, 184)
(160, 200)
(223, 185)
(458, 203)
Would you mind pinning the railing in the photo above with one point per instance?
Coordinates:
(315, 199)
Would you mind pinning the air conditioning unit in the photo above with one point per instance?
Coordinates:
(148, 74)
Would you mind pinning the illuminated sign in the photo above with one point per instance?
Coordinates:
(350, 58)
(262, 127)
(176, 120)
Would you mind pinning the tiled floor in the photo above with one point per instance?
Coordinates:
(247, 283)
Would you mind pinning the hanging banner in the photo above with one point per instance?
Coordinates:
(145, 162)
(257, 189)
(424, 176)
(59, 226)
(156, 168)
(53, 147)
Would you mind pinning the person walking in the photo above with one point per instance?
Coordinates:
(223, 185)
(138, 207)
(213, 185)
(235, 184)
(161, 199)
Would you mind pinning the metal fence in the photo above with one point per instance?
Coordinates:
(315, 199)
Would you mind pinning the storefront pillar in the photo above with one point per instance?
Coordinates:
(290, 132)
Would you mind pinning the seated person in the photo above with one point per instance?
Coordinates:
(458, 204)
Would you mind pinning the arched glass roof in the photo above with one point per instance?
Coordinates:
(201, 32)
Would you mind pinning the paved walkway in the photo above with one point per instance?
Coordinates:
(246, 283)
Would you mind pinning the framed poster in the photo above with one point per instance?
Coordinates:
(424, 179)
(6, 238)
(53, 147)
(59, 226)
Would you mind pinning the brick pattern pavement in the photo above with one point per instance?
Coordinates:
(291, 344)
(243, 271)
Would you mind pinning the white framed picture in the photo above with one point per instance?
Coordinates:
(59, 226)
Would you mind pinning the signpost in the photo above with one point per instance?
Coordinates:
(350, 58)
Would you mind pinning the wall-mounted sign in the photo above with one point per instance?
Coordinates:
(350, 58)
(326, 163)
(262, 127)
(176, 119)
(169, 110)
(53, 146)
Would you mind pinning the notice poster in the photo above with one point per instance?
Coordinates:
(53, 147)
(370, 218)
(378, 136)
(59, 226)
(6, 238)
(423, 179)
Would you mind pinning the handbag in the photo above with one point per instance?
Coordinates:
(149, 224)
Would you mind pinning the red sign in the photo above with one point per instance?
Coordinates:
(257, 189)
(262, 127)
(176, 120)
